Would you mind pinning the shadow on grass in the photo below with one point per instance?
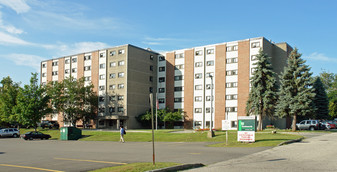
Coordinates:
(266, 140)
(85, 136)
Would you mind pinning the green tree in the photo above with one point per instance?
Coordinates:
(332, 95)
(320, 100)
(32, 103)
(8, 94)
(329, 81)
(164, 115)
(171, 117)
(263, 92)
(296, 92)
(73, 99)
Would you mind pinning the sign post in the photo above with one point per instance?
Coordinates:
(246, 128)
(226, 126)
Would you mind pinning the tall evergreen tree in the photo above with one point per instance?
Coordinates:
(263, 92)
(32, 103)
(320, 100)
(296, 92)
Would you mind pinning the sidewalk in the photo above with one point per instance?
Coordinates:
(312, 154)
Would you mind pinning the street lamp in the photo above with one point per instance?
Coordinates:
(211, 133)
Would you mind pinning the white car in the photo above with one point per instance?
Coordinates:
(9, 132)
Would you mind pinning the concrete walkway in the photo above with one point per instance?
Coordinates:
(312, 154)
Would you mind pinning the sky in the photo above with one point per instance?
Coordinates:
(36, 30)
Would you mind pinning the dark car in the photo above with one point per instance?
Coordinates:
(35, 135)
(50, 124)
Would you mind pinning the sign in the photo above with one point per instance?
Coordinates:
(226, 125)
(246, 128)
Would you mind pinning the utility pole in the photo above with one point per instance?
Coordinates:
(153, 153)
(211, 133)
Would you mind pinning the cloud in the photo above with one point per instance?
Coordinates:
(162, 40)
(320, 57)
(75, 48)
(25, 60)
(19, 6)
(7, 39)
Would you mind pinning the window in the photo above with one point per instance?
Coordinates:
(209, 74)
(161, 90)
(232, 97)
(178, 88)
(87, 68)
(255, 44)
(208, 86)
(74, 60)
(253, 70)
(101, 77)
(210, 51)
(161, 69)
(112, 87)
(151, 78)
(112, 75)
(161, 79)
(87, 78)
(178, 100)
(112, 98)
(253, 57)
(54, 73)
(232, 48)
(231, 109)
(231, 72)
(120, 97)
(54, 64)
(112, 53)
(44, 74)
(87, 57)
(151, 89)
(198, 75)
(178, 56)
(162, 100)
(198, 64)
(44, 65)
(74, 70)
(232, 60)
(102, 66)
(198, 53)
(235, 48)
(121, 51)
(112, 64)
(120, 86)
(101, 109)
(101, 55)
(208, 110)
(67, 61)
(151, 57)
(197, 110)
(120, 109)
(161, 58)
(179, 77)
(120, 74)
(198, 87)
(231, 84)
(101, 99)
(101, 88)
(151, 68)
(208, 98)
(121, 63)
(198, 98)
(177, 67)
(112, 109)
(210, 63)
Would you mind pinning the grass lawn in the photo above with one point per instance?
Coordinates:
(137, 167)
(264, 138)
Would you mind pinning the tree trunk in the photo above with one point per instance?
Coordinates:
(294, 123)
(259, 126)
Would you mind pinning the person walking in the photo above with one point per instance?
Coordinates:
(122, 132)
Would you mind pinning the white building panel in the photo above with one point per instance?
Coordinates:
(231, 91)
(178, 105)
(233, 78)
(232, 66)
(231, 103)
(178, 94)
(178, 72)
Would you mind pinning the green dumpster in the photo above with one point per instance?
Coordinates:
(70, 133)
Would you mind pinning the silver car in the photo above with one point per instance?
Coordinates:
(9, 132)
(308, 125)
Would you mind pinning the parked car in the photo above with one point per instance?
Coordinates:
(50, 124)
(9, 132)
(325, 125)
(308, 125)
(333, 124)
(35, 135)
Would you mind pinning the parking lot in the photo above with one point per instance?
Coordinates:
(54, 155)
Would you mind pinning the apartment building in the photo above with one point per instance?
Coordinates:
(214, 80)
(122, 76)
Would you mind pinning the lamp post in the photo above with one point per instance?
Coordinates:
(211, 133)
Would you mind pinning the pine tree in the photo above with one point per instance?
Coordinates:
(296, 92)
(263, 92)
(320, 100)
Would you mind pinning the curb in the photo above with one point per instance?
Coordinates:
(178, 167)
(291, 141)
